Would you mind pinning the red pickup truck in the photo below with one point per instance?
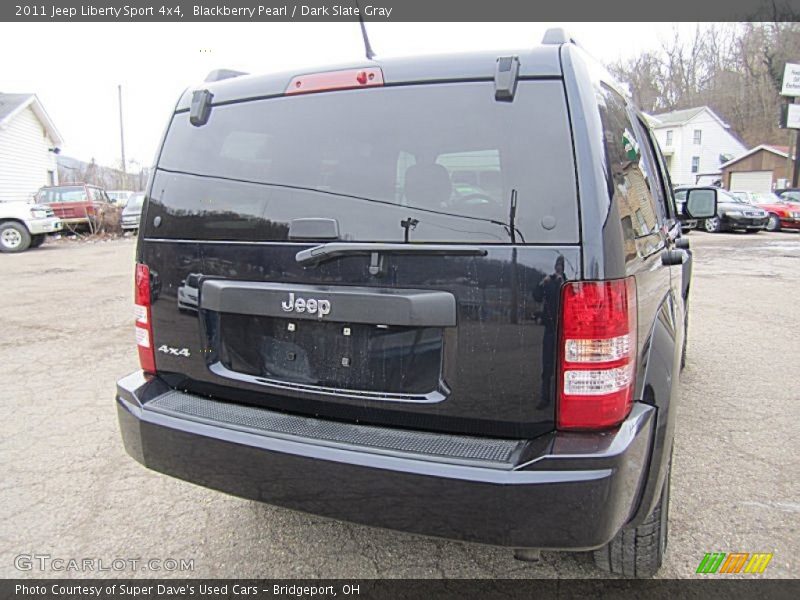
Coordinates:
(74, 203)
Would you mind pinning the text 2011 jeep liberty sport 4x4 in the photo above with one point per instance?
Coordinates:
(443, 295)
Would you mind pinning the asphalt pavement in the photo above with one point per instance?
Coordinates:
(69, 490)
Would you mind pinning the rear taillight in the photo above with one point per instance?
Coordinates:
(597, 353)
(144, 324)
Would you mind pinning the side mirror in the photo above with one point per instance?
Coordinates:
(700, 204)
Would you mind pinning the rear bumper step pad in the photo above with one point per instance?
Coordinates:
(455, 449)
(573, 492)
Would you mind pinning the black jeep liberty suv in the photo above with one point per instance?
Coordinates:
(443, 295)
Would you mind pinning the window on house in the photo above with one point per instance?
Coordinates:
(695, 164)
(698, 136)
(51, 178)
(669, 138)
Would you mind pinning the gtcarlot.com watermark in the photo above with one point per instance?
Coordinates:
(48, 562)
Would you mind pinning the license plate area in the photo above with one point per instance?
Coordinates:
(353, 357)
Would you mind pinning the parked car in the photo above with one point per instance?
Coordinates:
(24, 225)
(687, 224)
(132, 213)
(783, 213)
(790, 194)
(327, 364)
(75, 203)
(733, 214)
(119, 197)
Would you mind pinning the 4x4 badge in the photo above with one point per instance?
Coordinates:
(311, 305)
(174, 351)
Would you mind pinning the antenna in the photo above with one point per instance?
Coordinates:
(367, 47)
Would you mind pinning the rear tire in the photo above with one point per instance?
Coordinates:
(712, 225)
(14, 237)
(773, 224)
(639, 551)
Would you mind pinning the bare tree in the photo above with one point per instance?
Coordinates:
(734, 69)
(74, 171)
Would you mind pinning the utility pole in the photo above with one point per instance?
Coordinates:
(122, 135)
(796, 169)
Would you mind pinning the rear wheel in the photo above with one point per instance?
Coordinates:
(774, 223)
(37, 240)
(14, 237)
(712, 225)
(639, 551)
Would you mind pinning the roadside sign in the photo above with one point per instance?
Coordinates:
(793, 116)
(791, 87)
(791, 80)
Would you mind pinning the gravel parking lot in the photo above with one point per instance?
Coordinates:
(69, 490)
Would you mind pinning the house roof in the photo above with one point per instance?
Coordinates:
(681, 117)
(13, 104)
(779, 150)
(9, 103)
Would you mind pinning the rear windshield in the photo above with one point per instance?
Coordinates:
(135, 201)
(74, 193)
(426, 163)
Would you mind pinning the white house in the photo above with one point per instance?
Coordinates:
(695, 143)
(29, 142)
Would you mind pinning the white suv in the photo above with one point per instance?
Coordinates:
(24, 225)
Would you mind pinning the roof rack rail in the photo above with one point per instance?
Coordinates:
(557, 36)
(220, 74)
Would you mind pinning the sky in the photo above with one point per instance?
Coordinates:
(75, 68)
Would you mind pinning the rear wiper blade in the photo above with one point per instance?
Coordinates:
(332, 250)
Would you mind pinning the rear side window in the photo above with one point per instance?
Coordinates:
(448, 156)
(73, 193)
(632, 183)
